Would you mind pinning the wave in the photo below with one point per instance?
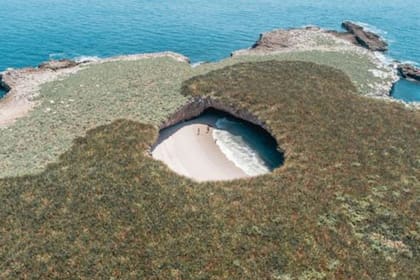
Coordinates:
(57, 56)
(372, 28)
(385, 59)
(79, 59)
(196, 64)
(83, 58)
(237, 149)
(411, 62)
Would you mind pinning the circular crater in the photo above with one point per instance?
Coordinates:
(216, 146)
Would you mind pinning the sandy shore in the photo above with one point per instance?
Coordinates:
(193, 154)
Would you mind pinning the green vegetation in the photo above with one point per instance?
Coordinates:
(145, 90)
(357, 65)
(345, 204)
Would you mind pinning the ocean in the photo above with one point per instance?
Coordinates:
(33, 31)
(248, 146)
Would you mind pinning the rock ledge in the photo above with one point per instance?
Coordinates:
(365, 38)
(409, 72)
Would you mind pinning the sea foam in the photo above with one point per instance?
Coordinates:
(372, 28)
(237, 149)
(83, 59)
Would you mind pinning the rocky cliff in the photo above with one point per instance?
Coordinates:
(409, 72)
(291, 38)
(58, 64)
(362, 37)
(197, 106)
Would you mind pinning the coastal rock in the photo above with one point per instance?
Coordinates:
(277, 39)
(365, 38)
(409, 72)
(344, 35)
(286, 40)
(58, 64)
(315, 37)
(197, 106)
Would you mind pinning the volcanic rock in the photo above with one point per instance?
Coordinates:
(409, 71)
(58, 64)
(365, 38)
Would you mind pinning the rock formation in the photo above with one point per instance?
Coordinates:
(409, 72)
(364, 38)
(274, 40)
(196, 106)
(291, 38)
(58, 64)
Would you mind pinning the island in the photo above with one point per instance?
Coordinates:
(82, 193)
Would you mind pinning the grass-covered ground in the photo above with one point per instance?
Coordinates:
(146, 90)
(345, 205)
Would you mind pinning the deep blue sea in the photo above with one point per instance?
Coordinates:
(33, 31)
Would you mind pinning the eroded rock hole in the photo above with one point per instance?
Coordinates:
(217, 146)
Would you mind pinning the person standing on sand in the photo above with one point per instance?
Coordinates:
(208, 129)
(198, 131)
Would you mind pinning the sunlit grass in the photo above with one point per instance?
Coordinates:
(344, 205)
(146, 90)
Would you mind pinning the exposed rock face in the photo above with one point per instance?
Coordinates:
(198, 105)
(409, 72)
(313, 36)
(345, 36)
(58, 64)
(365, 38)
(274, 40)
(289, 40)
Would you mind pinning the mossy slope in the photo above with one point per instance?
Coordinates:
(144, 90)
(344, 206)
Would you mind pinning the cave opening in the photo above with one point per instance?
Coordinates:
(215, 146)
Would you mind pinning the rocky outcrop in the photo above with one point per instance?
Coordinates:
(274, 40)
(58, 64)
(198, 105)
(347, 36)
(289, 40)
(363, 37)
(315, 37)
(409, 72)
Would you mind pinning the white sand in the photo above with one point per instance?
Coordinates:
(195, 156)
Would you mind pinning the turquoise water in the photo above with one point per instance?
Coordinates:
(251, 148)
(33, 31)
(406, 90)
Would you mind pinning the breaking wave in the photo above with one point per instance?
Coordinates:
(243, 146)
(372, 28)
(82, 59)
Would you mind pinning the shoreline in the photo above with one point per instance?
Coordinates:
(188, 149)
(23, 84)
